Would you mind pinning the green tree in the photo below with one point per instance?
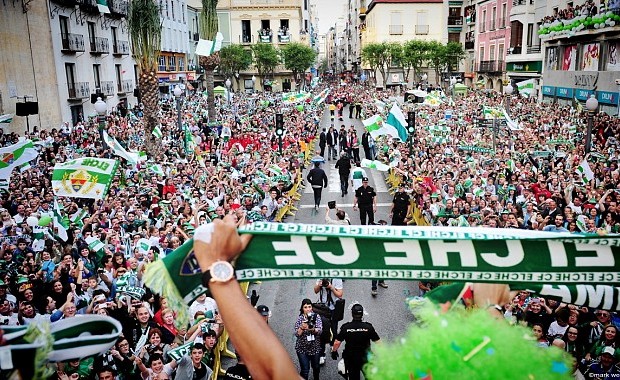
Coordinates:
(416, 54)
(377, 56)
(445, 58)
(145, 31)
(324, 66)
(298, 58)
(233, 59)
(266, 58)
(208, 29)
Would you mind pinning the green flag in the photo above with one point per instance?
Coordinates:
(102, 5)
(375, 164)
(157, 132)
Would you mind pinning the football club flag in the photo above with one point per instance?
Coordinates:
(157, 169)
(376, 127)
(86, 177)
(94, 244)
(144, 245)
(396, 119)
(206, 48)
(585, 170)
(14, 156)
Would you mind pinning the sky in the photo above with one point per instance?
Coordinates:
(328, 12)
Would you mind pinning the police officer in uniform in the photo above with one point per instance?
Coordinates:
(357, 334)
(400, 206)
(366, 198)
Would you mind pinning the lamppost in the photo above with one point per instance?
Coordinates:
(253, 83)
(591, 106)
(101, 108)
(508, 90)
(228, 84)
(177, 95)
(424, 78)
(411, 130)
(452, 83)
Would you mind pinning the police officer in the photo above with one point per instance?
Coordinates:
(366, 198)
(357, 334)
(400, 206)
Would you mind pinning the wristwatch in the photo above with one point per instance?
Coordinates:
(219, 271)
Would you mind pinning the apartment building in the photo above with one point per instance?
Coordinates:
(172, 68)
(492, 39)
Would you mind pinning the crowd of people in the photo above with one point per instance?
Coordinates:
(531, 176)
(588, 8)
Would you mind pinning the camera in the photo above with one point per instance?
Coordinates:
(331, 205)
(618, 82)
(4, 320)
(325, 282)
(311, 320)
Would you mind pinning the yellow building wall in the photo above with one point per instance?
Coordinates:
(379, 19)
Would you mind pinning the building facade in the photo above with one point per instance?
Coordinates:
(582, 58)
(172, 68)
(88, 47)
(401, 21)
(492, 42)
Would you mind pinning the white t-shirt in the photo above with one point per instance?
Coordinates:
(337, 284)
(209, 305)
(555, 329)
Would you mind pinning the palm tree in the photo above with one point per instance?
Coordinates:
(145, 31)
(208, 31)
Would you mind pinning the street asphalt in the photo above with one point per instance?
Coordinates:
(387, 311)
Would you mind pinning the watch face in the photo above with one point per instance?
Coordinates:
(222, 271)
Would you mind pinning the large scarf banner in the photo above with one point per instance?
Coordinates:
(284, 251)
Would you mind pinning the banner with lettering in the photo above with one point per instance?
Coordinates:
(87, 177)
(285, 251)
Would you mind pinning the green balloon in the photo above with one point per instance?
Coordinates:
(385, 148)
(45, 220)
(300, 107)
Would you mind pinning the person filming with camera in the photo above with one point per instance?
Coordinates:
(330, 291)
(308, 330)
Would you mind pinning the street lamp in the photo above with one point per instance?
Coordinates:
(101, 108)
(253, 83)
(228, 84)
(591, 106)
(508, 90)
(280, 130)
(424, 78)
(452, 83)
(177, 95)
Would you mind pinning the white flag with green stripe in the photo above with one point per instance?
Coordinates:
(6, 118)
(86, 177)
(118, 150)
(102, 5)
(526, 87)
(94, 244)
(157, 132)
(157, 169)
(374, 164)
(14, 156)
(144, 245)
(376, 127)
(275, 169)
(292, 98)
(60, 222)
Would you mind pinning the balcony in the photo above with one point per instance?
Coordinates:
(78, 90)
(362, 13)
(107, 88)
(455, 20)
(245, 39)
(265, 38)
(121, 48)
(284, 38)
(533, 49)
(72, 43)
(66, 3)
(489, 66)
(421, 29)
(118, 8)
(396, 29)
(515, 50)
(469, 45)
(99, 45)
(125, 87)
(89, 6)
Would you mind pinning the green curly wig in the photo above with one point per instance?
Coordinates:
(464, 344)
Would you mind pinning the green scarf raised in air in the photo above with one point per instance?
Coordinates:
(285, 251)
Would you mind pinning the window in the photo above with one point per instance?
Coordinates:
(492, 53)
(504, 16)
(162, 63)
(246, 31)
(64, 26)
(454, 37)
(481, 57)
(91, 34)
(530, 34)
(181, 64)
(422, 22)
(493, 18)
(70, 74)
(172, 63)
(265, 24)
(172, 9)
(516, 37)
(183, 12)
(114, 36)
(396, 24)
(97, 77)
(500, 51)
(119, 77)
(483, 20)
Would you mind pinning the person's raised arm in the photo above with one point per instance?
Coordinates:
(248, 330)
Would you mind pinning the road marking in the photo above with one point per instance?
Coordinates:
(344, 205)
